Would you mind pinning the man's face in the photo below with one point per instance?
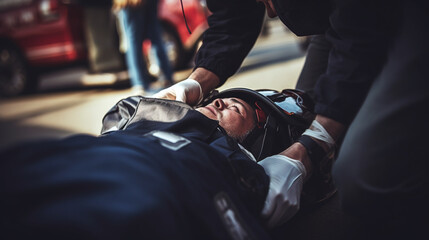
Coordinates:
(234, 115)
(271, 11)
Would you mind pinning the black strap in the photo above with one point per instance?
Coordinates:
(270, 129)
(314, 150)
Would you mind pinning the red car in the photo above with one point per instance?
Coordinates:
(181, 46)
(36, 34)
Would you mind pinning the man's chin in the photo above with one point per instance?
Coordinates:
(206, 112)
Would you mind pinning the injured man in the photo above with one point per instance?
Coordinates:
(163, 170)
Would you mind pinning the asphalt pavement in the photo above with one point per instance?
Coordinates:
(72, 101)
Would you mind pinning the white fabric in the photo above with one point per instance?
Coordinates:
(182, 91)
(320, 133)
(286, 182)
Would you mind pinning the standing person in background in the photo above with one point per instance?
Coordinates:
(139, 20)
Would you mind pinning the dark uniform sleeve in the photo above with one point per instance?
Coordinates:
(360, 34)
(234, 28)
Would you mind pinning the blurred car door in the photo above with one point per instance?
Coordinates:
(36, 33)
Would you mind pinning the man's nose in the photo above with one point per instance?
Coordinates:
(219, 104)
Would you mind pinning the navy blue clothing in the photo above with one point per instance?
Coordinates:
(127, 185)
(360, 43)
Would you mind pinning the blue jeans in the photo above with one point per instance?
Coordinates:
(142, 23)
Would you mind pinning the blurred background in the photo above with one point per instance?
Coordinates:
(62, 64)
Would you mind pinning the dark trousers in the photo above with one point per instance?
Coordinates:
(382, 169)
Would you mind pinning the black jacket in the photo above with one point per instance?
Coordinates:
(359, 30)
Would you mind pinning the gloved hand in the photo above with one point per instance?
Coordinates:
(188, 91)
(286, 182)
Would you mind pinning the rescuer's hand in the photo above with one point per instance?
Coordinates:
(286, 182)
(188, 91)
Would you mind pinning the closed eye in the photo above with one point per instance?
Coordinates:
(235, 108)
(238, 106)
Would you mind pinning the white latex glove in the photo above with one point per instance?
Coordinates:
(286, 181)
(187, 91)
